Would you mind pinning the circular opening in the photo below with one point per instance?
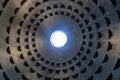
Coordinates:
(58, 39)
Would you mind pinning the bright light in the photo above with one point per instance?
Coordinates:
(58, 38)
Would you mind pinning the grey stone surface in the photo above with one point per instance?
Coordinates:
(92, 51)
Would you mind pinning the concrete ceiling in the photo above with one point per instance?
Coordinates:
(92, 51)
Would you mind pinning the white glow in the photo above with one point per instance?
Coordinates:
(58, 39)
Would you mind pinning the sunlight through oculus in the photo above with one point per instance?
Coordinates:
(58, 39)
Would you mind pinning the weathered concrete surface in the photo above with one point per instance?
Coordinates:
(92, 52)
